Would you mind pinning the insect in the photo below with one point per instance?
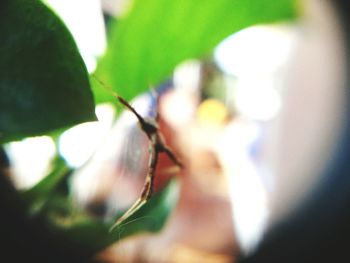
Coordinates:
(157, 145)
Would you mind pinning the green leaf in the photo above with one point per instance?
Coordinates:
(44, 84)
(145, 47)
(94, 234)
(37, 197)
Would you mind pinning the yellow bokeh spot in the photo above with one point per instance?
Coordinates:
(212, 112)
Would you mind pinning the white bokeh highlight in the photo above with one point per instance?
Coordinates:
(85, 21)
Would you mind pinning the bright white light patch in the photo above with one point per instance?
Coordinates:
(257, 99)
(247, 192)
(78, 143)
(255, 50)
(30, 159)
(85, 21)
(257, 58)
(187, 75)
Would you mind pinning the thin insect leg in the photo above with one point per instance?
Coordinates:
(103, 84)
(121, 100)
(146, 127)
(129, 107)
(162, 147)
(172, 156)
(152, 166)
(147, 190)
(135, 207)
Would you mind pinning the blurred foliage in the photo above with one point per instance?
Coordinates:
(38, 197)
(96, 234)
(46, 199)
(44, 84)
(156, 35)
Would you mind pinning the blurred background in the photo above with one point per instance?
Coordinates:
(254, 122)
